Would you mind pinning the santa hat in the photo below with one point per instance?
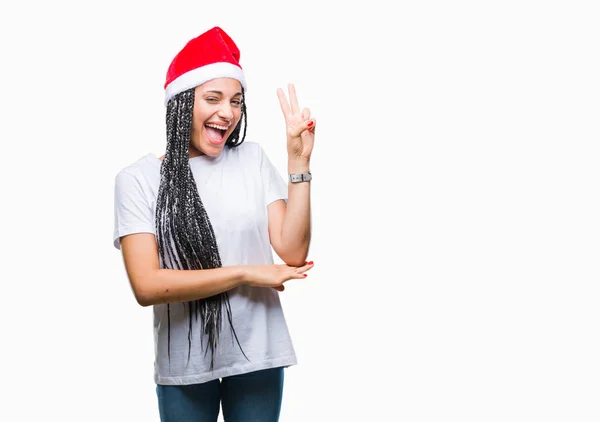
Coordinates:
(211, 55)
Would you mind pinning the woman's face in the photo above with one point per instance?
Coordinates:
(217, 111)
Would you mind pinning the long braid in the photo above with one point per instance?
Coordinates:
(185, 236)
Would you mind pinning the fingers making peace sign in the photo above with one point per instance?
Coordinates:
(300, 127)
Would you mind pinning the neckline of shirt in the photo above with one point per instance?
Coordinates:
(198, 159)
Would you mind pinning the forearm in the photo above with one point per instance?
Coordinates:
(296, 229)
(170, 286)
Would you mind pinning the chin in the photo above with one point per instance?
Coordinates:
(211, 149)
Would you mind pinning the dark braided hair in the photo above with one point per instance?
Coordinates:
(185, 236)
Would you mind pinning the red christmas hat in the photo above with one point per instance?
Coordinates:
(210, 55)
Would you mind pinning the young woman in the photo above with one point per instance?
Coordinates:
(196, 227)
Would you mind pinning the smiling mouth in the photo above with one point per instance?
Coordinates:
(216, 133)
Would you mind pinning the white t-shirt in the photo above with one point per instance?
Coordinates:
(235, 188)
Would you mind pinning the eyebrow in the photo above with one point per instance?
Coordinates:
(220, 93)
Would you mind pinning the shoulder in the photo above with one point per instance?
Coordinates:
(148, 164)
(142, 171)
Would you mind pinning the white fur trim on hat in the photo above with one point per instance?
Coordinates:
(198, 76)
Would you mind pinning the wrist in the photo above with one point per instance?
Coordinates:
(298, 165)
(243, 275)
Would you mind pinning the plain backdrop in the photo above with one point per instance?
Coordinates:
(455, 203)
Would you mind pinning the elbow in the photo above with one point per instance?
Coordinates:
(142, 298)
(293, 249)
(295, 262)
(144, 293)
(150, 299)
(143, 301)
(296, 258)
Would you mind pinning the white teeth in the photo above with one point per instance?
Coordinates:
(217, 126)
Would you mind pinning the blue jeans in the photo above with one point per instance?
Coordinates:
(251, 397)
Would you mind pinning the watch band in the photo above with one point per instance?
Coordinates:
(300, 177)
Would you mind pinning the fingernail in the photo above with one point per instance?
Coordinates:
(310, 124)
(304, 275)
(310, 263)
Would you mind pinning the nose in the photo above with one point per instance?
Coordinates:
(225, 112)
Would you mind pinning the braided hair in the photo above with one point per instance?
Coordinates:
(185, 236)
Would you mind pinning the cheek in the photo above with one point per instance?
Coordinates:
(197, 126)
(238, 115)
(199, 115)
(198, 120)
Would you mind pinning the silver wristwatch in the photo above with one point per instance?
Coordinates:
(300, 177)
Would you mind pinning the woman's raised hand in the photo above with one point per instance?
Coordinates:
(300, 127)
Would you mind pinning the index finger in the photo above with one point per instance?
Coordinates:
(285, 108)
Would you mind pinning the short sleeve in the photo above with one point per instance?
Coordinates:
(133, 213)
(274, 185)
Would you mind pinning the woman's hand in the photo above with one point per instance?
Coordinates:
(300, 128)
(274, 275)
